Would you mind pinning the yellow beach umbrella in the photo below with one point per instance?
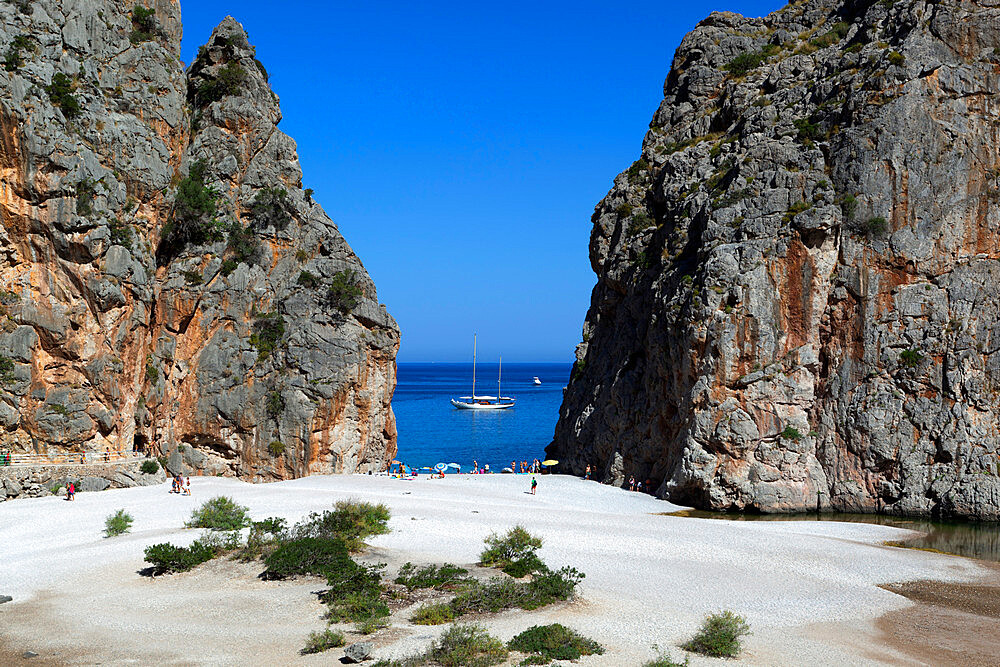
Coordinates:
(550, 462)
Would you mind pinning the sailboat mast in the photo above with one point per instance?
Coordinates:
(473, 368)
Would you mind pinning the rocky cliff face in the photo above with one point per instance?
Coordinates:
(167, 282)
(799, 280)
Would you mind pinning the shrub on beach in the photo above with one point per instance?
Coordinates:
(719, 635)
(219, 513)
(149, 467)
(513, 552)
(554, 642)
(446, 576)
(350, 521)
(467, 646)
(502, 593)
(663, 659)
(118, 523)
(166, 558)
(306, 555)
(264, 537)
(317, 642)
(438, 613)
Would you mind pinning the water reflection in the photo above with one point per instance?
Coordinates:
(975, 540)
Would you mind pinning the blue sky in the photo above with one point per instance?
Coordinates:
(461, 147)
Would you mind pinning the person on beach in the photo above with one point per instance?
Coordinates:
(187, 486)
(513, 466)
(631, 483)
(70, 491)
(586, 475)
(534, 485)
(475, 467)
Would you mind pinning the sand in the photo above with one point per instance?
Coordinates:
(810, 590)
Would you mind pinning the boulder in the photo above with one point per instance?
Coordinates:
(358, 651)
(5, 599)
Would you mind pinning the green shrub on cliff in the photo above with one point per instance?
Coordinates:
(144, 25)
(910, 358)
(13, 58)
(271, 208)
(60, 93)
(343, 295)
(192, 219)
(268, 329)
(6, 370)
(719, 636)
(149, 467)
(228, 81)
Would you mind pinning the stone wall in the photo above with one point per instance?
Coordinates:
(38, 481)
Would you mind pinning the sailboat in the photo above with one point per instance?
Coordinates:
(476, 402)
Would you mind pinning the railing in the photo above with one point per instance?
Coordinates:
(72, 458)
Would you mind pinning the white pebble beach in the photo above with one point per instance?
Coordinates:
(808, 589)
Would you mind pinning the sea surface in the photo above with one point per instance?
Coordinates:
(432, 431)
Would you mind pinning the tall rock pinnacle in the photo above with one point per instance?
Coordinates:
(168, 283)
(797, 296)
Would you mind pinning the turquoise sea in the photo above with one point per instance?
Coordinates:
(432, 431)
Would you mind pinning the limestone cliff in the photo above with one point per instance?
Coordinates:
(799, 279)
(167, 282)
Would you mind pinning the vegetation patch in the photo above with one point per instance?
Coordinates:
(468, 646)
(219, 513)
(896, 58)
(149, 467)
(243, 244)
(121, 234)
(166, 558)
(268, 330)
(794, 210)
(720, 636)
(876, 226)
(276, 447)
(13, 58)
(317, 642)
(910, 358)
(443, 577)
(307, 279)
(118, 523)
(434, 614)
(144, 25)
(513, 552)
(86, 192)
(791, 433)
(60, 93)
(306, 555)
(192, 220)
(501, 593)
(227, 82)
(343, 295)
(745, 63)
(6, 370)
(271, 208)
(554, 642)
(350, 521)
(664, 659)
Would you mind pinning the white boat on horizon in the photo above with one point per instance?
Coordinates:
(479, 402)
(535, 381)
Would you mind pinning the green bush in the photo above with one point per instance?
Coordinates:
(359, 607)
(446, 576)
(663, 659)
(144, 25)
(166, 558)
(791, 433)
(86, 192)
(276, 448)
(350, 521)
(848, 205)
(306, 555)
(343, 295)
(6, 370)
(807, 129)
(263, 538)
(13, 58)
(434, 614)
(744, 63)
(118, 523)
(243, 243)
(512, 552)
(502, 593)
(268, 329)
(192, 219)
(467, 646)
(307, 279)
(149, 467)
(637, 168)
(152, 373)
(61, 94)
(639, 222)
(719, 635)
(317, 642)
(875, 226)
(121, 234)
(275, 403)
(229, 81)
(910, 358)
(192, 277)
(555, 642)
(896, 58)
(270, 208)
(228, 267)
(219, 513)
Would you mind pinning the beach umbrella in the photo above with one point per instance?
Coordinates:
(440, 467)
(455, 466)
(550, 462)
(396, 463)
(426, 468)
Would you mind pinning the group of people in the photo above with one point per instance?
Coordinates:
(4, 458)
(181, 485)
(633, 483)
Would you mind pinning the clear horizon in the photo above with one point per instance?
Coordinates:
(461, 148)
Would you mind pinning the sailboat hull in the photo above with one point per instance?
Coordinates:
(462, 405)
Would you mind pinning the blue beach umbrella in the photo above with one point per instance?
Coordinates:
(440, 467)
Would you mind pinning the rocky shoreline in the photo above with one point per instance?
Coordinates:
(39, 481)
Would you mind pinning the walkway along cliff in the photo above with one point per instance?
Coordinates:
(168, 284)
(799, 279)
